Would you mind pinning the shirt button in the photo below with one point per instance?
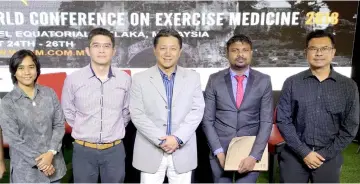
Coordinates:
(164, 124)
(166, 107)
(42, 135)
(318, 97)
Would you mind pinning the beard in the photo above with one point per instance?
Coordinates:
(240, 63)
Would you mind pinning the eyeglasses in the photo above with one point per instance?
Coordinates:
(98, 46)
(324, 50)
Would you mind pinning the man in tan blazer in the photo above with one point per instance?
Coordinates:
(166, 107)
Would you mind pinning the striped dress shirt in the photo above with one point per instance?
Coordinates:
(169, 86)
(97, 111)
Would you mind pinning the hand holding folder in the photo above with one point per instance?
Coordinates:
(240, 148)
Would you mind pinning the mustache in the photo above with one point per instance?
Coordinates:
(238, 58)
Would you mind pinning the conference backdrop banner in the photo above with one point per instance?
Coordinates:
(57, 32)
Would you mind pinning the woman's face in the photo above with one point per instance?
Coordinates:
(26, 72)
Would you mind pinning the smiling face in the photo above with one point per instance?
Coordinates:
(26, 72)
(101, 50)
(167, 52)
(320, 52)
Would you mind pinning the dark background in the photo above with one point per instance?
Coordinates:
(355, 75)
(275, 46)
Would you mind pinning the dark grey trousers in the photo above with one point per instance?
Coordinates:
(88, 163)
(221, 176)
(294, 170)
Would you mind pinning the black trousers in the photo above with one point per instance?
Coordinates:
(221, 176)
(89, 163)
(294, 170)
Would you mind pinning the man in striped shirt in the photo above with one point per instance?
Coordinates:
(95, 100)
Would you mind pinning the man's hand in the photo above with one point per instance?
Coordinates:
(313, 160)
(50, 171)
(2, 168)
(170, 144)
(247, 164)
(221, 158)
(44, 161)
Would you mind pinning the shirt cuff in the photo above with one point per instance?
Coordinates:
(178, 140)
(303, 151)
(161, 142)
(323, 152)
(220, 150)
(255, 158)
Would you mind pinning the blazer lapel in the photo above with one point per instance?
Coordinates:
(228, 83)
(156, 80)
(179, 83)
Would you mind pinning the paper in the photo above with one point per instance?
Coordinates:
(240, 148)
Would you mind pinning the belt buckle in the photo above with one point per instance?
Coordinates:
(98, 145)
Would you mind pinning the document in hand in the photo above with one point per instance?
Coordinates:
(239, 148)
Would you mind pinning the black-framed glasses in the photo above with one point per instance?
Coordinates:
(321, 49)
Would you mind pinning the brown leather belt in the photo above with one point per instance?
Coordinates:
(100, 146)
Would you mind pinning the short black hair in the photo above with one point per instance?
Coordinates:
(101, 31)
(320, 34)
(17, 58)
(166, 33)
(238, 38)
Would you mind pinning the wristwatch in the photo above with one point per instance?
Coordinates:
(53, 152)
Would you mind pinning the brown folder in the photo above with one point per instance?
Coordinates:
(240, 148)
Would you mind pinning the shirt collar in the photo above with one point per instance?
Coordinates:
(92, 73)
(163, 75)
(333, 74)
(19, 93)
(246, 73)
